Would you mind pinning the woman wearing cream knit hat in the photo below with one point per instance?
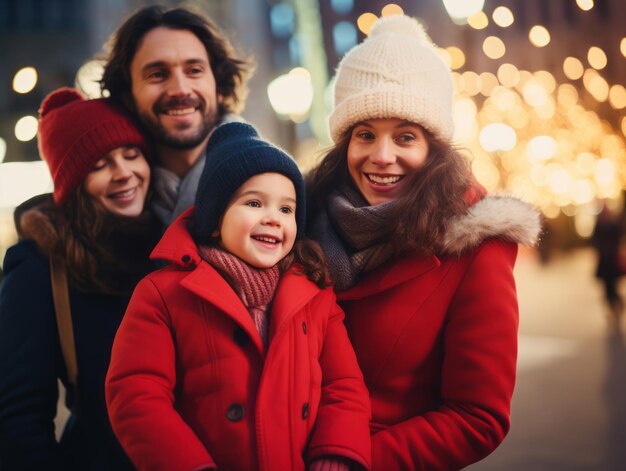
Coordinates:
(421, 258)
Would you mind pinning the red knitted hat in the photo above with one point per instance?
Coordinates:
(74, 133)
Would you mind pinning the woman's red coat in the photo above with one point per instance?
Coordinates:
(436, 339)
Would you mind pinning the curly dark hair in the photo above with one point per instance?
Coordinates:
(420, 218)
(231, 73)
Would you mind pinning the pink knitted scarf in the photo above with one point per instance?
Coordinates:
(255, 286)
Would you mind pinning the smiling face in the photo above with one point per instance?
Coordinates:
(259, 224)
(173, 88)
(119, 181)
(384, 155)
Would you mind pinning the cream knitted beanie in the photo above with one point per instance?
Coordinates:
(396, 72)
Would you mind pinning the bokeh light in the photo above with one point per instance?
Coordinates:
(597, 58)
(539, 36)
(392, 9)
(26, 128)
(493, 47)
(25, 80)
(478, 20)
(585, 5)
(503, 17)
(573, 68)
(365, 22)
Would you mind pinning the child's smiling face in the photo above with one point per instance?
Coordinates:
(259, 224)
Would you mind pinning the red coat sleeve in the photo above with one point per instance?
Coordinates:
(477, 377)
(139, 389)
(342, 423)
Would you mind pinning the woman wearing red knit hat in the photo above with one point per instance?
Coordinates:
(94, 229)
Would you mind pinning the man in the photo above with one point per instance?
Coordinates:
(181, 78)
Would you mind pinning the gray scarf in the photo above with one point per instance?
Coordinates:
(350, 232)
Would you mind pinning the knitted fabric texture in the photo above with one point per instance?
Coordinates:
(235, 153)
(330, 464)
(74, 133)
(394, 73)
(255, 286)
(350, 231)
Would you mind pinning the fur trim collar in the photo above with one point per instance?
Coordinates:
(502, 217)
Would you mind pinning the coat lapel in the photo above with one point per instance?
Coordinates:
(292, 294)
(389, 275)
(204, 281)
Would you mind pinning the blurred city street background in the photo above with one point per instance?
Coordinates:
(569, 407)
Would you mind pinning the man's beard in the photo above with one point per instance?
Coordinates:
(175, 139)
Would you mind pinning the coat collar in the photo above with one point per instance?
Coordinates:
(502, 217)
(390, 274)
(176, 246)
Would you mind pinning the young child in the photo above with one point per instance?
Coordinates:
(235, 356)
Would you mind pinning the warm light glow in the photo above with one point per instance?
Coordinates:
(539, 36)
(585, 5)
(503, 98)
(20, 181)
(596, 85)
(457, 58)
(503, 17)
(534, 93)
(493, 47)
(624, 126)
(605, 172)
(622, 46)
(26, 128)
(486, 173)
(464, 116)
(291, 94)
(488, 83)
(597, 58)
(365, 22)
(471, 83)
(617, 97)
(25, 80)
(546, 110)
(478, 20)
(584, 223)
(541, 148)
(460, 10)
(88, 77)
(392, 9)
(3, 149)
(508, 75)
(567, 95)
(497, 136)
(573, 68)
(546, 80)
(560, 181)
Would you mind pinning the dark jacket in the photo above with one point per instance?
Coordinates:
(31, 364)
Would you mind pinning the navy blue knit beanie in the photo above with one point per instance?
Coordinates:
(235, 153)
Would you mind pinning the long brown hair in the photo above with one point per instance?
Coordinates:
(231, 72)
(419, 219)
(103, 253)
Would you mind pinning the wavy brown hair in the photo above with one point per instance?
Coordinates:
(231, 72)
(420, 219)
(102, 252)
(310, 261)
